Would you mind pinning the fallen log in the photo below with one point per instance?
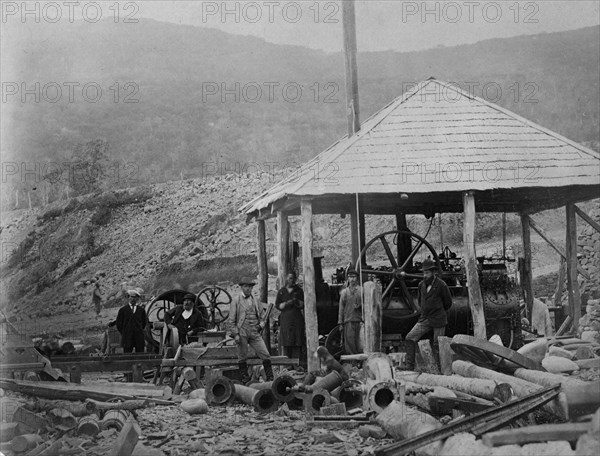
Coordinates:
(546, 378)
(520, 387)
(539, 433)
(76, 408)
(125, 405)
(592, 363)
(473, 386)
(70, 392)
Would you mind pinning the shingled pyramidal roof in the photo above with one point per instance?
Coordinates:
(439, 139)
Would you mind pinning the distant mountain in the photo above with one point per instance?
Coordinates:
(179, 123)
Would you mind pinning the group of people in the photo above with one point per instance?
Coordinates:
(434, 300)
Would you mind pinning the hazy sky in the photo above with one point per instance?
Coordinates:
(381, 25)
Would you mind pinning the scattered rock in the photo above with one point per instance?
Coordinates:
(559, 365)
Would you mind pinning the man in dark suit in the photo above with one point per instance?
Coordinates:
(131, 321)
(186, 318)
(434, 300)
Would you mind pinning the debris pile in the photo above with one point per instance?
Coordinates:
(589, 324)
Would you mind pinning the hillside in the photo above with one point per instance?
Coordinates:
(166, 124)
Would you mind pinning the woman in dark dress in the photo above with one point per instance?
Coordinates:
(290, 301)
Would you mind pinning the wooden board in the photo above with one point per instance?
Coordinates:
(539, 433)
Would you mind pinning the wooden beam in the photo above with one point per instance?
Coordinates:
(310, 296)
(527, 284)
(539, 433)
(357, 230)
(263, 274)
(546, 238)
(404, 243)
(475, 297)
(282, 247)
(562, 270)
(571, 254)
(352, 105)
(587, 218)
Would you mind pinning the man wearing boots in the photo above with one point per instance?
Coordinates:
(247, 326)
(434, 300)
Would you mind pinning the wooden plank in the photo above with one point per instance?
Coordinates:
(587, 218)
(527, 277)
(539, 433)
(101, 366)
(571, 254)
(475, 297)
(310, 296)
(446, 355)
(276, 360)
(372, 309)
(263, 275)
(282, 247)
(546, 238)
(127, 440)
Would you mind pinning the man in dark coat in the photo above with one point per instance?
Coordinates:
(131, 321)
(290, 301)
(434, 301)
(186, 318)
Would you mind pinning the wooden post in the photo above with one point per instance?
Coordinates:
(349, 25)
(527, 284)
(357, 231)
(475, 297)
(282, 247)
(263, 275)
(372, 306)
(404, 243)
(310, 296)
(571, 254)
(561, 281)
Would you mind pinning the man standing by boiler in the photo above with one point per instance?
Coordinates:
(434, 300)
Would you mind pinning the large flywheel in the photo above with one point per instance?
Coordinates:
(399, 266)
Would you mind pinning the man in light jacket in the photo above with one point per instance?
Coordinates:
(247, 326)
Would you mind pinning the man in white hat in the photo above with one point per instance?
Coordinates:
(131, 321)
(247, 326)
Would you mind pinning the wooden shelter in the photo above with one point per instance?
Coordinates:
(434, 149)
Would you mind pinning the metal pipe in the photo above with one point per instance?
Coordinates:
(219, 390)
(261, 385)
(348, 395)
(282, 388)
(330, 382)
(263, 400)
(320, 398)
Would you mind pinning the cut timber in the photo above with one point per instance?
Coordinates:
(127, 440)
(520, 387)
(429, 362)
(540, 433)
(310, 297)
(476, 387)
(571, 254)
(125, 405)
(56, 390)
(592, 363)
(475, 297)
(372, 309)
(546, 378)
(446, 355)
(402, 422)
(526, 274)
